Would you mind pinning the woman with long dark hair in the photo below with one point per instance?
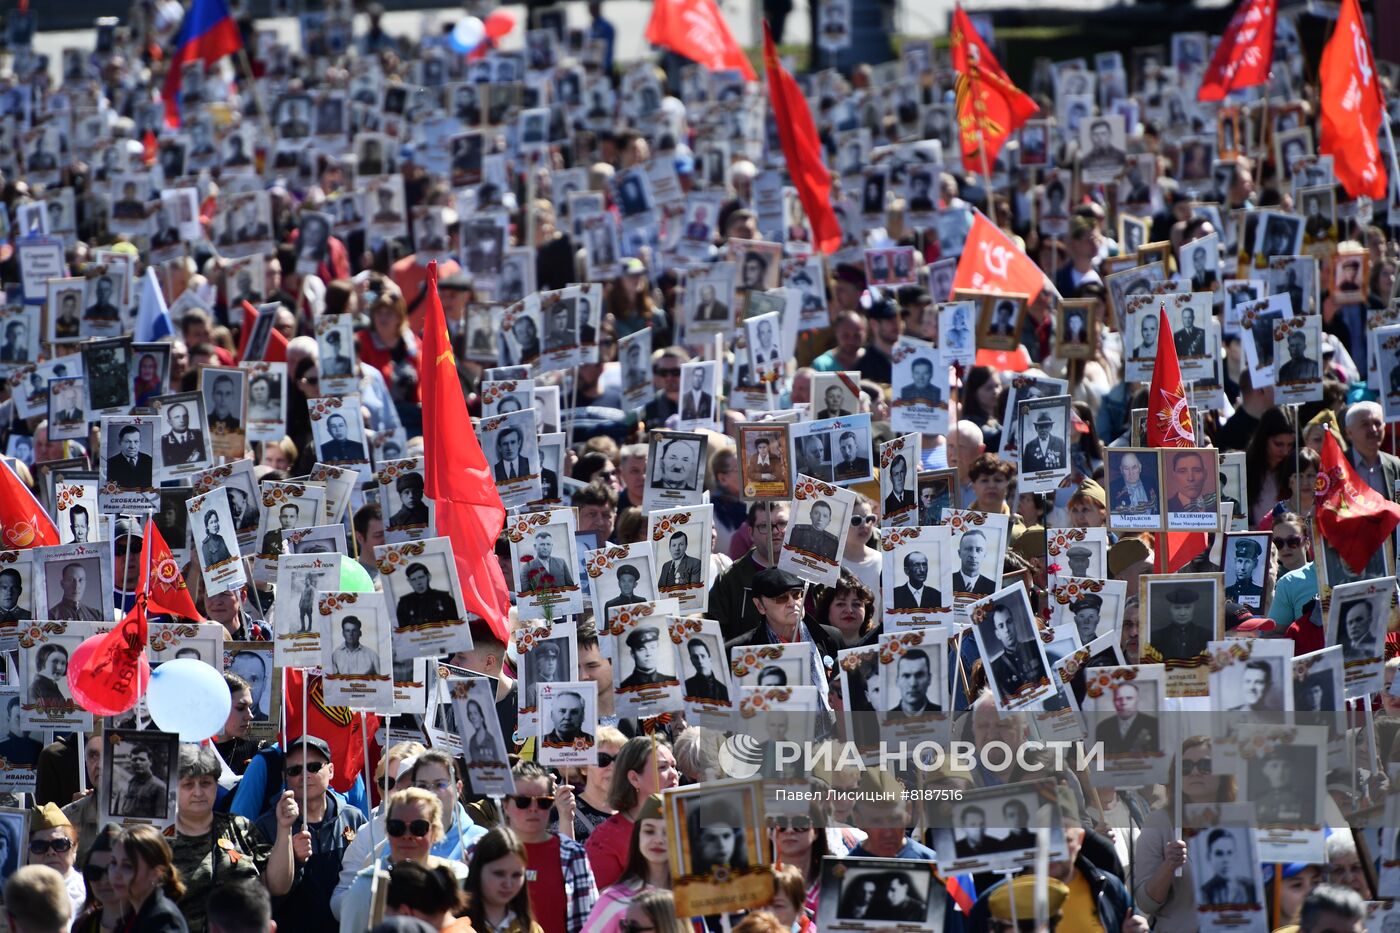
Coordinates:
(497, 899)
(144, 876)
(648, 867)
(1268, 462)
(104, 906)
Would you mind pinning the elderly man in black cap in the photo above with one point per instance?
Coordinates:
(642, 644)
(777, 596)
(1181, 637)
(1246, 557)
(627, 578)
(424, 604)
(412, 509)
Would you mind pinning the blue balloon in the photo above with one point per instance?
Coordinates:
(467, 34)
(188, 697)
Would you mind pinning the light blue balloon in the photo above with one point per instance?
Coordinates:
(188, 697)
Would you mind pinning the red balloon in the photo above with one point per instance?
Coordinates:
(113, 687)
(499, 23)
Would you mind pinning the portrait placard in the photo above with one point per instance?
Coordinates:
(644, 659)
(139, 777)
(408, 513)
(483, 744)
(811, 550)
(219, 556)
(920, 386)
(44, 652)
(620, 575)
(1044, 461)
(1134, 488)
(424, 597)
(716, 838)
(917, 576)
(299, 578)
(1358, 617)
(548, 655)
(992, 829)
(675, 470)
(1013, 655)
(899, 470)
(226, 407)
(1186, 613)
(707, 689)
(765, 472)
(680, 541)
(356, 652)
(865, 895)
(545, 557)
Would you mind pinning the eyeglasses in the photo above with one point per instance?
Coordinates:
(1290, 541)
(798, 824)
(668, 373)
(294, 771)
(1194, 767)
(604, 759)
(789, 596)
(397, 828)
(858, 520)
(41, 846)
(523, 801)
(436, 787)
(631, 926)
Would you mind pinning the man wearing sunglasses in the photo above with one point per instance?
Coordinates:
(778, 598)
(320, 837)
(561, 883)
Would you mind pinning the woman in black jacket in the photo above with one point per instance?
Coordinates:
(143, 873)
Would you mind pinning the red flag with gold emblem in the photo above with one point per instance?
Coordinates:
(990, 107)
(1168, 414)
(1354, 518)
(162, 583)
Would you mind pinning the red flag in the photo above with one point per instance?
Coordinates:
(23, 521)
(108, 673)
(162, 584)
(148, 148)
(1168, 411)
(336, 725)
(697, 30)
(1352, 107)
(456, 474)
(802, 148)
(276, 351)
(991, 261)
(990, 107)
(1245, 53)
(1354, 518)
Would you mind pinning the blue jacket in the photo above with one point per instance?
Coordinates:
(250, 801)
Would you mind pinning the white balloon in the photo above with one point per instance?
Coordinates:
(468, 34)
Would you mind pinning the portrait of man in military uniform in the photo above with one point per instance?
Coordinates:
(1182, 616)
(649, 659)
(424, 604)
(1224, 882)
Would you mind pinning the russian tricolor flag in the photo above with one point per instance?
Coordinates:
(207, 34)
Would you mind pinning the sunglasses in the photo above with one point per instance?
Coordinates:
(294, 771)
(668, 373)
(631, 926)
(397, 828)
(858, 520)
(1194, 767)
(604, 759)
(41, 846)
(523, 801)
(1290, 541)
(94, 872)
(798, 824)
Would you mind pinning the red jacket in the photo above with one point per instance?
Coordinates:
(607, 848)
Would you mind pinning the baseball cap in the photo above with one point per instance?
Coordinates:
(310, 741)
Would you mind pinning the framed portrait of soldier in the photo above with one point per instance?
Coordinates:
(1250, 678)
(816, 531)
(716, 836)
(1230, 879)
(634, 352)
(424, 598)
(44, 655)
(707, 684)
(237, 478)
(19, 337)
(709, 297)
(680, 540)
(68, 418)
(1245, 559)
(283, 507)
(1091, 608)
(647, 678)
(408, 514)
(1283, 774)
(338, 431)
(899, 470)
(1020, 389)
(1013, 654)
(619, 576)
(864, 894)
(356, 649)
(107, 365)
(1186, 613)
(1199, 263)
(765, 469)
(1001, 320)
(1276, 234)
(335, 344)
(992, 828)
(139, 777)
(917, 576)
(700, 394)
(1387, 359)
(64, 300)
(1103, 149)
(1134, 488)
(545, 557)
(220, 560)
(267, 400)
(1191, 488)
(299, 578)
(226, 409)
(1045, 443)
(1076, 329)
(675, 470)
(1124, 709)
(919, 380)
(1258, 321)
(1349, 277)
(548, 655)
(509, 442)
(503, 396)
(1358, 616)
(104, 301)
